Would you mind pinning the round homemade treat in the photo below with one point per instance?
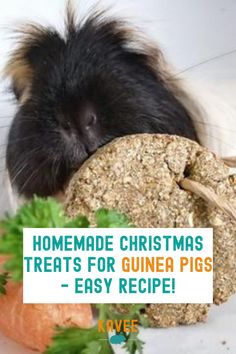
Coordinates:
(140, 176)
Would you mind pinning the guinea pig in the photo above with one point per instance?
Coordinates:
(78, 91)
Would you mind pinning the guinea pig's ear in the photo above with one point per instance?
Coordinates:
(36, 44)
(19, 70)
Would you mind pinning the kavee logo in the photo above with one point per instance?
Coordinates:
(122, 328)
(117, 339)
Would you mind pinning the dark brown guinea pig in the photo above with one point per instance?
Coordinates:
(78, 91)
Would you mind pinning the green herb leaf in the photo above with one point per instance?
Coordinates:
(44, 213)
(110, 218)
(79, 341)
(3, 281)
(136, 311)
(144, 321)
(133, 344)
(93, 347)
(79, 221)
(101, 346)
(39, 213)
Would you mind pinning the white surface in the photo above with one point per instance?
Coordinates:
(189, 31)
(216, 336)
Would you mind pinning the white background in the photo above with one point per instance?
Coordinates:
(189, 31)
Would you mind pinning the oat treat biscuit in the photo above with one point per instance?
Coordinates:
(140, 175)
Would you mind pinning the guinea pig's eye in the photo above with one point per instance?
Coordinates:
(66, 125)
(64, 122)
(91, 120)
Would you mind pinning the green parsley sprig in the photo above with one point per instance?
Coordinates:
(91, 341)
(44, 213)
(47, 213)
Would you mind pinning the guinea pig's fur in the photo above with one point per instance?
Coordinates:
(79, 91)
